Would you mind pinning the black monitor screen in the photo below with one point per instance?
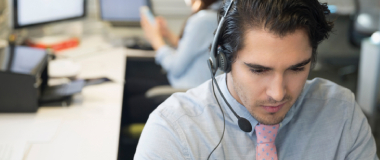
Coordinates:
(20, 59)
(32, 12)
(121, 10)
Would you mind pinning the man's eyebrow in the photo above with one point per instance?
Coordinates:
(303, 63)
(257, 66)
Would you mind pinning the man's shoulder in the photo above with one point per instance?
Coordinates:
(324, 102)
(319, 88)
(191, 103)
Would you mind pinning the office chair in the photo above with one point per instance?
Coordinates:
(160, 93)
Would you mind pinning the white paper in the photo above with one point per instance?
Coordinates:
(19, 131)
(12, 151)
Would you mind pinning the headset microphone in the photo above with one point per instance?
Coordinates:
(243, 123)
(219, 60)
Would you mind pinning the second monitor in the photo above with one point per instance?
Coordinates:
(122, 12)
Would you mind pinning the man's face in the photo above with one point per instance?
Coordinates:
(269, 73)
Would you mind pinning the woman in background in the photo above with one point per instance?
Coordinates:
(185, 59)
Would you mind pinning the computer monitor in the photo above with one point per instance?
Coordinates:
(34, 12)
(122, 12)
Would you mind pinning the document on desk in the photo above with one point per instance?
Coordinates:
(108, 65)
(12, 151)
(18, 132)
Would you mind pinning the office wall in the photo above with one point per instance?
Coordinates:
(175, 11)
(171, 8)
(4, 28)
(2, 4)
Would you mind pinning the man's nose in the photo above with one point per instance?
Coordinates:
(276, 89)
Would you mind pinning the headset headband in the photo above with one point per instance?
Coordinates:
(214, 46)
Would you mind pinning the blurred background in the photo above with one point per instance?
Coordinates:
(78, 78)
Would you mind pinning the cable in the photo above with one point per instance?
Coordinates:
(224, 119)
(225, 100)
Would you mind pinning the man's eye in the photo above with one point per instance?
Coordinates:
(298, 69)
(258, 71)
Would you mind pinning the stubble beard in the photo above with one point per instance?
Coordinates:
(272, 118)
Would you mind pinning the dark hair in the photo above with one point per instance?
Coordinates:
(281, 17)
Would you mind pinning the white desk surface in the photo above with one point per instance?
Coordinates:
(86, 130)
(89, 128)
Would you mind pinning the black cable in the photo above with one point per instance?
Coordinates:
(225, 100)
(224, 119)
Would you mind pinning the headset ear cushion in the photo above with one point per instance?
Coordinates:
(223, 62)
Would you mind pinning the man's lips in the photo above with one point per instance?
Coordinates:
(273, 109)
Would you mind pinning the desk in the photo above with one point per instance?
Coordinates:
(89, 128)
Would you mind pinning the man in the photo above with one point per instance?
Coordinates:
(271, 46)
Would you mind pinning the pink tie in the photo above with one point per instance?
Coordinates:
(266, 150)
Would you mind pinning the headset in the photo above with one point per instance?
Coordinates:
(218, 60)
